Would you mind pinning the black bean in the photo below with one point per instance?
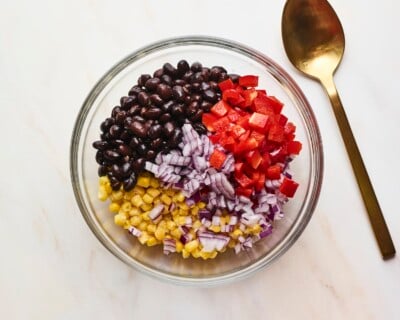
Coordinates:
(177, 110)
(138, 118)
(170, 70)
(196, 97)
(156, 144)
(182, 66)
(214, 85)
(150, 155)
(120, 117)
(178, 93)
(205, 73)
(206, 106)
(115, 185)
(99, 157)
(100, 145)
(192, 109)
(234, 77)
(111, 155)
(223, 76)
(197, 116)
(165, 118)
(215, 73)
(155, 131)
(116, 171)
(134, 110)
(158, 73)
(210, 95)
(138, 165)
(135, 141)
(142, 79)
(130, 182)
(167, 107)
(164, 91)
(196, 66)
(126, 136)
(106, 124)
(166, 79)
(175, 138)
(188, 100)
(200, 128)
(197, 77)
(124, 150)
(125, 169)
(127, 102)
(180, 82)
(135, 90)
(196, 87)
(115, 110)
(152, 113)
(152, 84)
(115, 131)
(102, 171)
(188, 76)
(139, 129)
(143, 99)
(205, 86)
(142, 149)
(156, 100)
(168, 129)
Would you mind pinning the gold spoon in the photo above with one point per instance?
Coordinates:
(314, 42)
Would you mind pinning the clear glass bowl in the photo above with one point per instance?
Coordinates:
(236, 58)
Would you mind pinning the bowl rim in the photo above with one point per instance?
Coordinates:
(309, 119)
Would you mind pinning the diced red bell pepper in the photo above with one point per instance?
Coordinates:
(232, 96)
(226, 84)
(208, 120)
(266, 162)
(281, 155)
(275, 104)
(260, 137)
(220, 109)
(248, 95)
(214, 138)
(227, 141)
(239, 167)
(244, 121)
(233, 115)
(274, 172)
(288, 187)
(254, 158)
(261, 92)
(259, 184)
(258, 120)
(281, 119)
(243, 180)
(294, 147)
(247, 192)
(217, 159)
(276, 133)
(261, 105)
(244, 136)
(237, 131)
(246, 145)
(248, 81)
(222, 124)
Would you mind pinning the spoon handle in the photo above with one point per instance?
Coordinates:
(376, 218)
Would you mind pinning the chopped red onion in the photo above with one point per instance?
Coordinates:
(134, 231)
(169, 246)
(156, 211)
(216, 220)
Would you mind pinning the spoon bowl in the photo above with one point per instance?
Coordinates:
(314, 41)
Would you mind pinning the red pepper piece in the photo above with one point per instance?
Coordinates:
(246, 145)
(259, 137)
(217, 159)
(247, 192)
(237, 131)
(222, 124)
(276, 104)
(248, 95)
(294, 147)
(220, 109)
(276, 133)
(248, 81)
(288, 187)
(226, 84)
(208, 120)
(274, 172)
(244, 181)
(259, 184)
(254, 158)
(258, 120)
(215, 138)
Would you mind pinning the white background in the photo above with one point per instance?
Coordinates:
(52, 267)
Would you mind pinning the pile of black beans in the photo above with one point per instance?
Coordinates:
(149, 119)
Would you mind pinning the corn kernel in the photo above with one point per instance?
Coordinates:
(183, 206)
(114, 207)
(139, 190)
(154, 183)
(148, 198)
(231, 243)
(215, 229)
(201, 205)
(143, 181)
(157, 201)
(137, 200)
(151, 228)
(104, 180)
(145, 216)
(205, 255)
(102, 193)
(167, 200)
(136, 220)
(195, 211)
(143, 237)
(192, 245)
(180, 197)
(162, 224)
(175, 212)
(196, 253)
(119, 220)
(176, 233)
(183, 212)
(108, 189)
(153, 192)
(178, 246)
(126, 207)
(146, 207)
(171, 225)
(213, 254)
(181, 220)
(185, 254)
(152, 241)
(117, 195)
(169, 192)
(143, 225)
(256, 229)
(197, 224)
(236, 234)
(160, 233)
(135, 212)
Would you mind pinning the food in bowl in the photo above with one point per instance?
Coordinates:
(197, 160)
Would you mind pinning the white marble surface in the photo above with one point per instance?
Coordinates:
(52, 267)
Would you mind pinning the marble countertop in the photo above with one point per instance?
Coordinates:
(52, 267)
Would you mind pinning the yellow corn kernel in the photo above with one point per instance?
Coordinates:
(114, 207)
(190, 246)
(151, 228)
(146, 174)
(196, 253)
(183, 212)
(205, 255)
(108, 188)
(126, 207)
(167, 200)
(102, 193)
(169, 192)
(171, 225)
(117, 195)
(143, 237)
(159, 233)
(215, 228)
(148, 198)
(178, 246)
(146, 207)
(180, 197)
(119, 220)
(213, 254)
(128, 195)
(135, 212)
(231, 243)
(197, 224)
(153, 192)
(143, 181)
(104, 180)
(176, 233)
(247, 230)
(175, 212)
(183, 206)
(139, 190)
(145, 216)
(143, 226)
(157, 201)
(256, 229)
(181, 220)
(185, 254)
(201, 205)
(137, 200)
(162, 224)
(152, 241)
(236, 234)
(135, 220)
(154, 183)
(222, 221)
(195, 211)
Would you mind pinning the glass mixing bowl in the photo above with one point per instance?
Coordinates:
(236, 58)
